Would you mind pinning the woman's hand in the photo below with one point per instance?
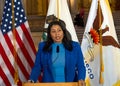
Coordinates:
(30, 81)
(81, 83)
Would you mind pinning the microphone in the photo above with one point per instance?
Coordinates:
(57, 49)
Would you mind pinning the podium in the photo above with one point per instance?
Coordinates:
(51, 84)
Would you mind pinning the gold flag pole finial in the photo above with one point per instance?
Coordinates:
(15, 54)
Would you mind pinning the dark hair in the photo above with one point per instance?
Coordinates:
(66, 39)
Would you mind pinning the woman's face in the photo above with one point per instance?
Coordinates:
(56, 33)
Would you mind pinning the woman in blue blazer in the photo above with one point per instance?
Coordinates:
(59, 58)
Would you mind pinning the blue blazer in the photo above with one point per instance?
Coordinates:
(73, 61)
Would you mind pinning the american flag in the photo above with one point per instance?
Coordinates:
(17, 50)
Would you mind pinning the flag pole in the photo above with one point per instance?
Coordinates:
(58, 11)
(101, 79)
(14, 37)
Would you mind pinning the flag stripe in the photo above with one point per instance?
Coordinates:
(21, 75)
(4, 78)
(6, 60)
(1, 82)
(21, 66)
(14, 52)
(26, 43)
(6, 70)
(16, 45)
(25, 31)
(24, 50)
(19, 62)
(19, 51)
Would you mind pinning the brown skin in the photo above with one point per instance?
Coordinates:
(56, 33)
(81, 83)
